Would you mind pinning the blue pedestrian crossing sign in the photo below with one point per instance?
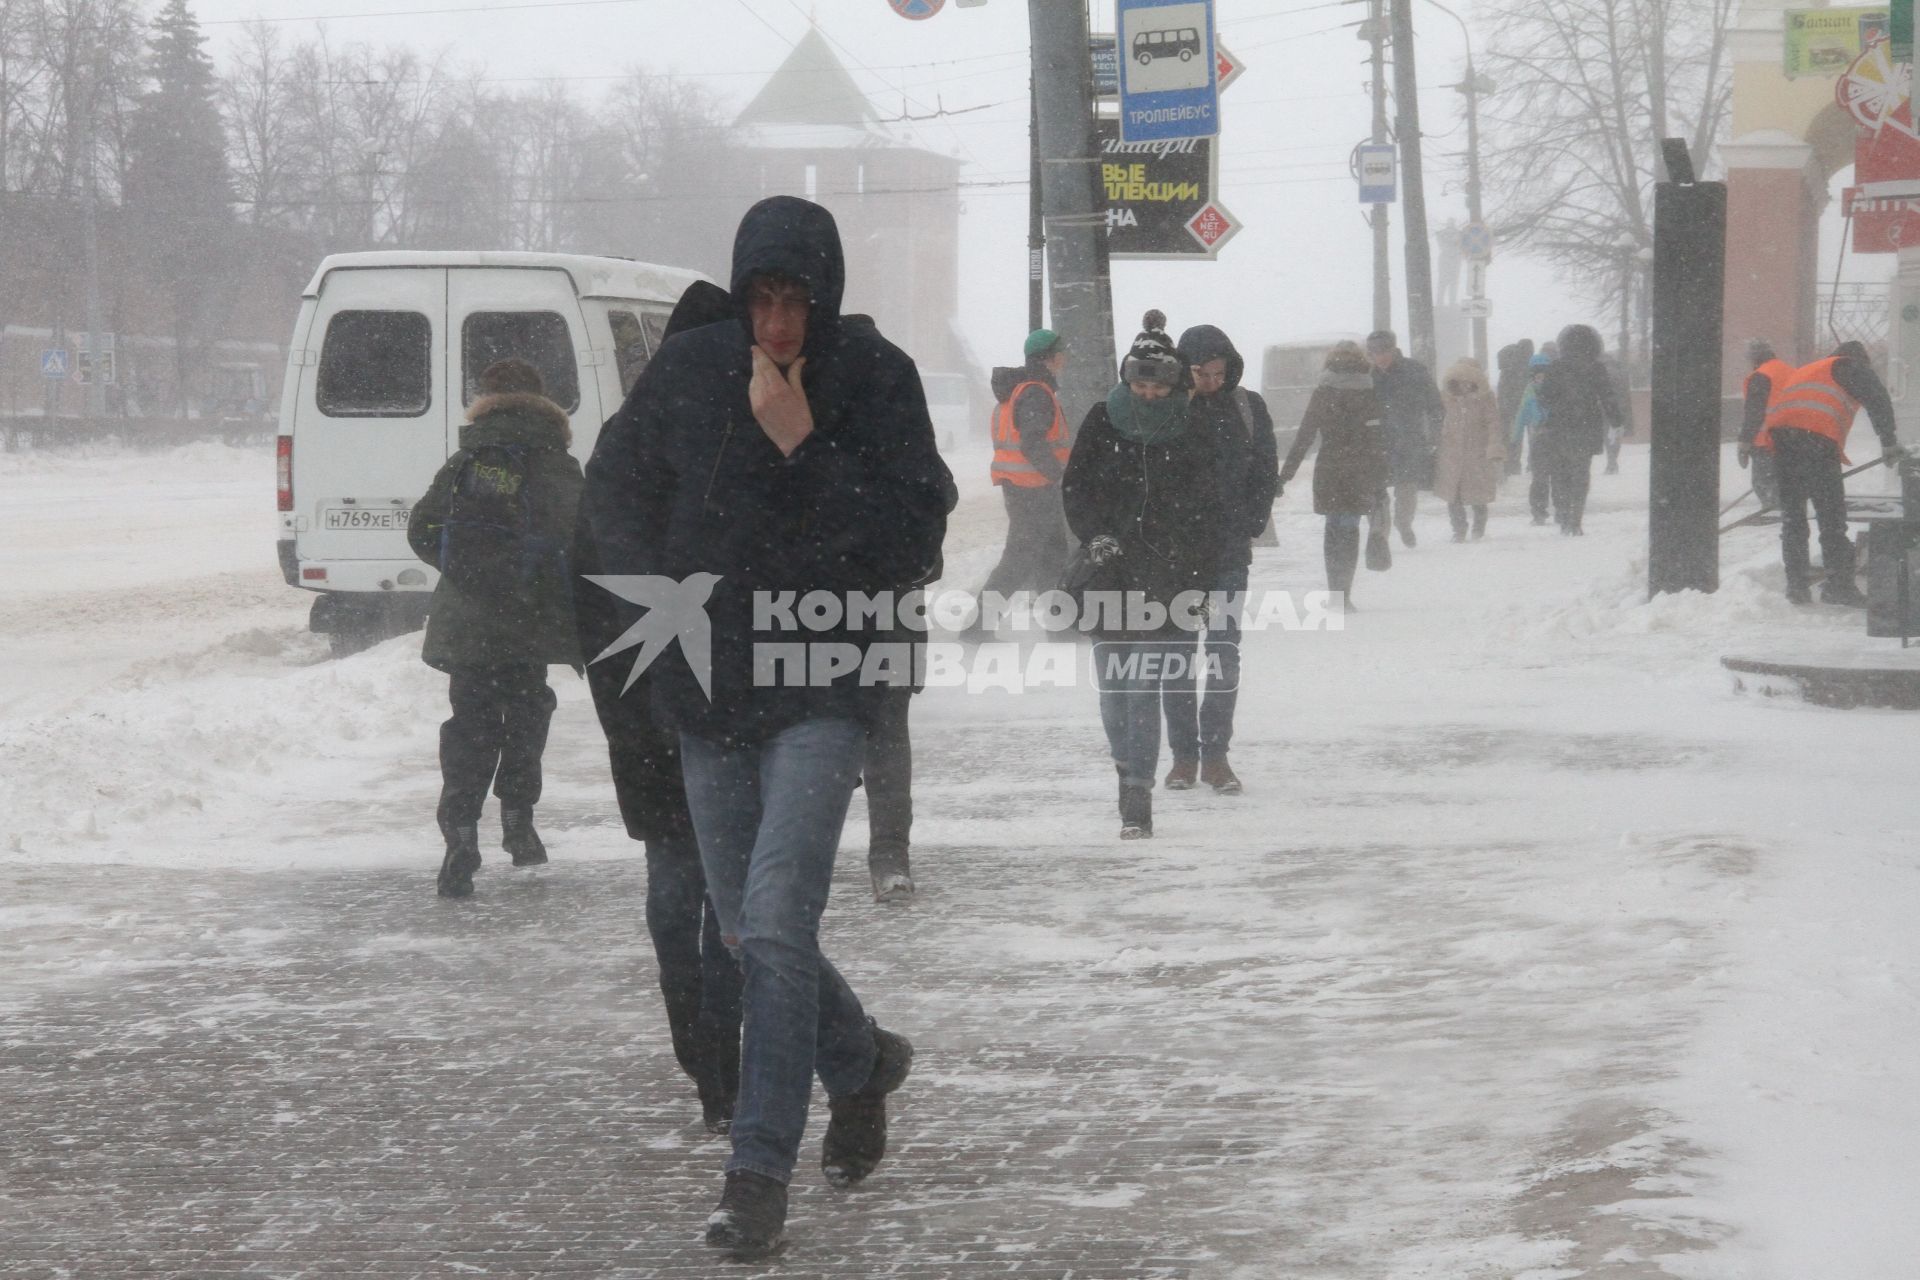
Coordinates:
(53, 363)
(917, 9)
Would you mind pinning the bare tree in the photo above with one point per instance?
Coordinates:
(1586, 90)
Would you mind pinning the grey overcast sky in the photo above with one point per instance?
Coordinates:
(1300, 266)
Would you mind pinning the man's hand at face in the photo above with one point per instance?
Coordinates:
(780, 402)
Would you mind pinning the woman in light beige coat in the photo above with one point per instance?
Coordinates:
(1473, 448)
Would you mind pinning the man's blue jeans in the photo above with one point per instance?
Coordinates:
(769, 816)
(1202, 728)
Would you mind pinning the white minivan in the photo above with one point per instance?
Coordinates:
(385, 358)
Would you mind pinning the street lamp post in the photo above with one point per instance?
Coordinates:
(1471, 87)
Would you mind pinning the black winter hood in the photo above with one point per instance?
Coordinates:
(702, 304)
(1005, 377)
(1581, 342)
(1203, 342)
(788, 236)
(1514, 356)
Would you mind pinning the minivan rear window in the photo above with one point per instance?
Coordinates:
(375, 364)
(629, 347)
(538, 337)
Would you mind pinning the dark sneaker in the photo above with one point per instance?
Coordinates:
(1842, 591)
(461, 861)
(1217, 774)
(518, 838)
(856, 1137)
(1181, 777)
(1797, 593)
(751, 1221)
(1136, 812)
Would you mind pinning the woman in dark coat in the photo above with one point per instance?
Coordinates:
(699, 979)
(1577, 394)
(1350, 475)
(1141, 493)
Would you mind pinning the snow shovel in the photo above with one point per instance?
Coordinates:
(1755, 515)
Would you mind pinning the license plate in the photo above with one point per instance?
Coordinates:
(364, 518)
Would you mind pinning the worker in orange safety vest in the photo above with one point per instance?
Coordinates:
(1762, 387)
(1806, 428)
(1031, 444)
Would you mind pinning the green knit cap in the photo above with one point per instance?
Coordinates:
(1040, 342)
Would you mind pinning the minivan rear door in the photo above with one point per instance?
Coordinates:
(532, 314)
(370, 430)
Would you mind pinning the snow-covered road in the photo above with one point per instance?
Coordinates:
(1532, 949)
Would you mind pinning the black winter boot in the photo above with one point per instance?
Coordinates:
(856, 1137)
(751, 1220)
(461, 861)
(1136, 812)
(1842, 591)
(518, 837)
(1379, 552)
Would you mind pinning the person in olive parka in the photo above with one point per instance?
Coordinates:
(495, 521)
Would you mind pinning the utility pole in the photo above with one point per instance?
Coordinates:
(1472, 86)
(1375, 31)
(96, 362)
(1036, 232)
(1073, 201)
(1406, 95)
(1476, 271)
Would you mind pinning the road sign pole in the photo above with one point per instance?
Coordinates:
(1036, 233)
(1073, 202)
(1406, 93)
(1376, 31)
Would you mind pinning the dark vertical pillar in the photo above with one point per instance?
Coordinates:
(1036, 235)
(1074, 202)
(1689, 277)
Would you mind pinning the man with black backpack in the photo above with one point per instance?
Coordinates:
(496, 523)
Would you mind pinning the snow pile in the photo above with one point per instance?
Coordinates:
(210, 742)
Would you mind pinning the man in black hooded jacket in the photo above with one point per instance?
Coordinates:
(753, 464)
(1247, 470)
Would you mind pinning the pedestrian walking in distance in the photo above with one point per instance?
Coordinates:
(1413, 412)
(1577, 394)
(1473, 450)
(1806, 429)
(1763, 387)
(700, 981)
(1529, 430)
(1515, 377)
(1031, 445)
(760, 460)
(1142, 495)
(1246, 473)
(497, 522)
(1343, 417)
(886, 771)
